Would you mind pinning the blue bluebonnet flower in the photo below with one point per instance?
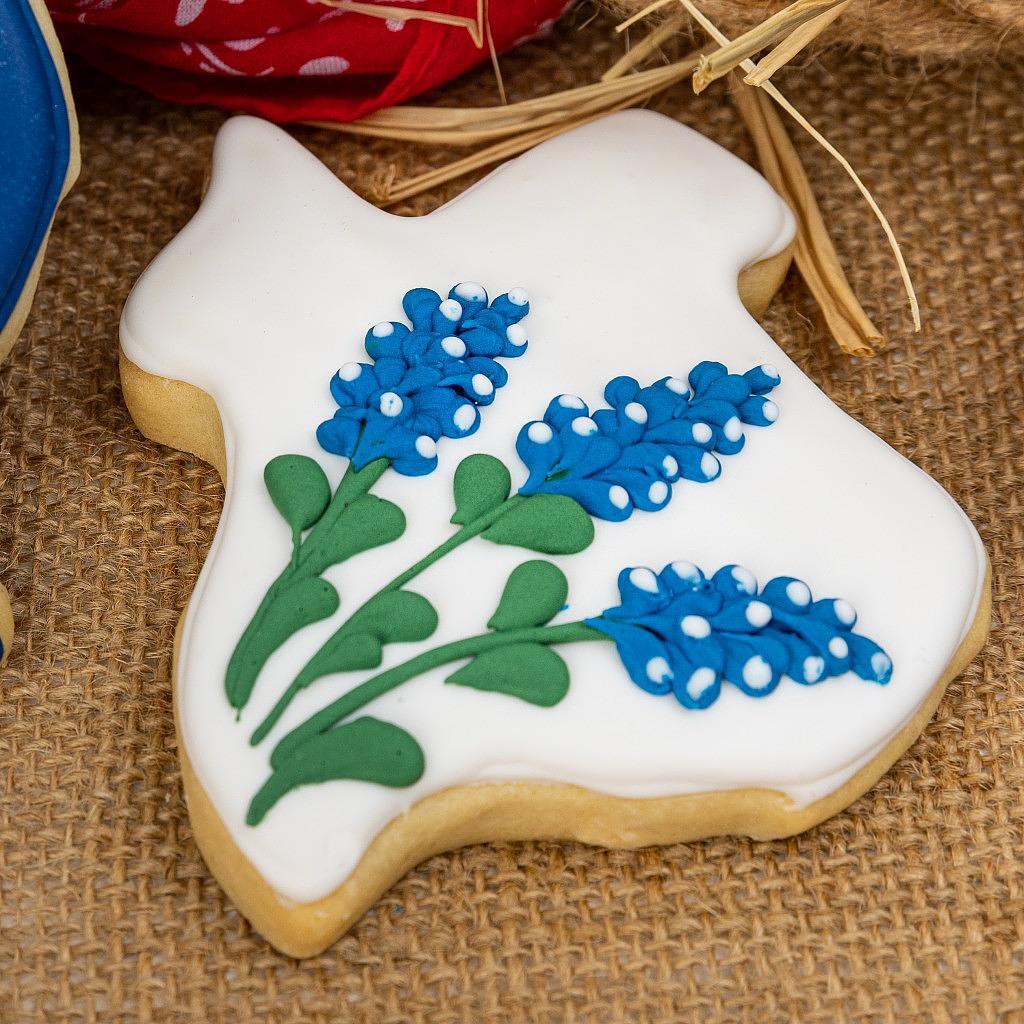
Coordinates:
(426, 381)
(678, 631)
(626, 457)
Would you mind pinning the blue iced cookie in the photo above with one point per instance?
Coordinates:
(38, 153)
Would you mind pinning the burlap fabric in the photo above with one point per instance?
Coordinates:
(933, 30)
(907, 907)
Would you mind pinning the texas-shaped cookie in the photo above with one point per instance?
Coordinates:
(529, 529)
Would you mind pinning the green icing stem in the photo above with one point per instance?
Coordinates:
(384, 682)
(318, 667)
(251, 653)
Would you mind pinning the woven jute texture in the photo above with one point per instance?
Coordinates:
(933, 30)
(909, 906)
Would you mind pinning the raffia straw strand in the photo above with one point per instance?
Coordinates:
(471, 25)
(815, 255)
(732, 53)
(771, 90)
(640, 15)
(469, 126)
(647, 46)
(483, 158)
(789, 47)
(484, 14)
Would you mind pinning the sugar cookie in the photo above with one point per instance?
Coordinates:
(529, 529)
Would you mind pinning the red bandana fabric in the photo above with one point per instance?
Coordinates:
(288, 60)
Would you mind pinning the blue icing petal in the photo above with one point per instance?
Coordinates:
(563, 409)
(640, 592)
(759, 411)
(747, 638)
(607, 501)
(424, 383)
(471, 296)
(512, 307)
(620, 390)
(419, 305)
(868, 660)
(644, 656)
(704, 374)
(762, 378)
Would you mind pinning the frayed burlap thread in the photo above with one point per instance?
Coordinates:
(908, 907)
(933, 30)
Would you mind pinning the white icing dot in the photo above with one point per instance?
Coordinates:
(481, 384)
(658, 491)
(701, 433)
(636, 412)
(670, 466)
(644, 579)
(745, 579)
(658, 670)
(471, 291)
(584, 426)
(685, 570)
(465, 417)
(450, 309)
(769, 370)
(798, 592)
(516, 335)
(758, 614)
(696, 626)
(350, 371)
(390, 404)
(770, 411)
(757, 673)
(570, 402)
(709, 465)
(838, 647)
(814, 668)
(455, 347)
(880, 664)
(539, 433)
(677, 386)
(845, 612)
(383, 330)
(518, 297)
(701, 681)
(426, 446)
(618, 496)
(732, 429)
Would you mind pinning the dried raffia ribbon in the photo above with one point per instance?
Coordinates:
(815, 255)
(856, 311)
(786, 50)
(479, 28)
(455, 126)
(387, 194)
(732, 53)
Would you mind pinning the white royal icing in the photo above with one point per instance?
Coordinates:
(273, 285)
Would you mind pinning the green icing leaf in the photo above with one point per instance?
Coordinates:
(297, 605)
(531, 672)
(367, 750)
(367, 523)
(552, 524)
(534, 594)
(482, 483)
(299, 489)
(395, 616)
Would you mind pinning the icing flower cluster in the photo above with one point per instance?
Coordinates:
(427, 380)
(682, 632)
(613, 461)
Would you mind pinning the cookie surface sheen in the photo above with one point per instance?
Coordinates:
(629, 235)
